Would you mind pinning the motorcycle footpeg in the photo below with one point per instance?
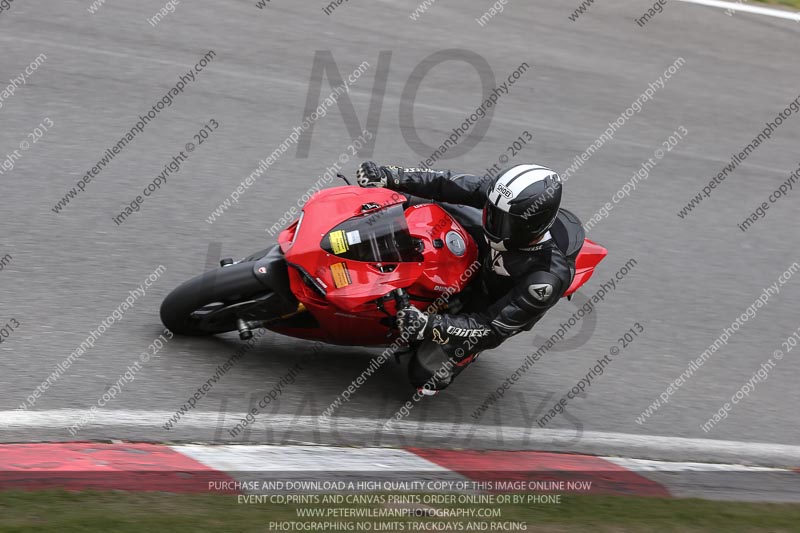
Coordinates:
(245, 333)
(226, 262)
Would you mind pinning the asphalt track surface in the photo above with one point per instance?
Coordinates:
(693, 276)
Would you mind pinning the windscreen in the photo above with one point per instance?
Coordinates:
(378, 237)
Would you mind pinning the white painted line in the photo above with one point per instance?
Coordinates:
(244, 458)
(747, 8)
(201, 425)
(646, 465)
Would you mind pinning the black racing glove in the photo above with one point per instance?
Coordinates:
(370, 174)
(412, 321)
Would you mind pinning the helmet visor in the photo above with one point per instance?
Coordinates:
(498, 224)
(515, 230)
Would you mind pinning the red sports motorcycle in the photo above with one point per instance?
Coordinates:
(340, 272)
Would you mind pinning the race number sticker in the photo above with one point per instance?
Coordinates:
(338, 242)
(341, 276)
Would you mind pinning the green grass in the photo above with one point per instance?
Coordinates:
(790, 3)
(66, 512)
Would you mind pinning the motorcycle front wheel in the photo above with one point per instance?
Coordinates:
(213, 302)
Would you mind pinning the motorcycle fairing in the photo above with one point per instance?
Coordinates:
(352, 247)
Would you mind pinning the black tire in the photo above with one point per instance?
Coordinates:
(182, 309)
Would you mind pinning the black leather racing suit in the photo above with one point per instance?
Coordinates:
(514, 291)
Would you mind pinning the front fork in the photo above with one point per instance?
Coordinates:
(271, 270)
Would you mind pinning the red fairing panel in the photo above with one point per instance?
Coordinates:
(448, 267)
(588, 258)
(329, 243)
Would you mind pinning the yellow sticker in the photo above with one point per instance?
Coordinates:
(341, 276)
(338, 242)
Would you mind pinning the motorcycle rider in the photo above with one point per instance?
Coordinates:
(523, 272)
